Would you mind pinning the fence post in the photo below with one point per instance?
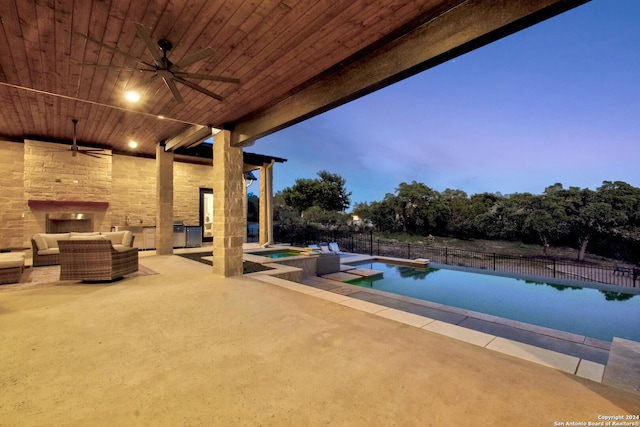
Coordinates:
(446, 255)
(408, 250)
(494, 261)
(371, 243)
(554, 267)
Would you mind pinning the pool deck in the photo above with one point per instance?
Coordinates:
(186, 347)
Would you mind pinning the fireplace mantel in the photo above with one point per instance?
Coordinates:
(70, 204)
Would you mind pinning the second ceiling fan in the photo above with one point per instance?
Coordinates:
(170, 72)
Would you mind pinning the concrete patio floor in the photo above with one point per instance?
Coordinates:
(187, 348)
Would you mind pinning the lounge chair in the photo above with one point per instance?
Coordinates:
(324, 248)
(333, 247)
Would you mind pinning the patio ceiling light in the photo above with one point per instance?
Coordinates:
(132, 96)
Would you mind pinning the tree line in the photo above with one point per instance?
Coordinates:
(605, 221)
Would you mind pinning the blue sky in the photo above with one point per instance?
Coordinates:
(557, 102)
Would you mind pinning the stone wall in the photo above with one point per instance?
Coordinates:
(52, 173)
(133, 201)
(12, 201)
(134, 189)
(36, 170)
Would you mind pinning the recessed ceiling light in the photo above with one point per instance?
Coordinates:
(133, 144)
(132, 96)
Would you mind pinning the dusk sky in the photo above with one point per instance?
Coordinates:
(557, 102)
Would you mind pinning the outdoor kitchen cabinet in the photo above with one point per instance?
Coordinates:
(148, 238)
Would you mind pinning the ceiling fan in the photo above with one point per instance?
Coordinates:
(170, 72)
(93, 152)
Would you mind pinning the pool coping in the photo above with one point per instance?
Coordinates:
(584, 347)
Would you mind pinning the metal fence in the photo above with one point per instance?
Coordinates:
(365, 243)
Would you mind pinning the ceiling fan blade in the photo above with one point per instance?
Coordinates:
(143, 33)
(110, 67)
(100, 151)
(198, 56)
(174, 90)
(114, 49)
(206, 77)
(198, 88)
(90, 154)
(143, 82)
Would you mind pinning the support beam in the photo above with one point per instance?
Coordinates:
(191, 136)
(164, 200)
(461, 29)
(228, 217)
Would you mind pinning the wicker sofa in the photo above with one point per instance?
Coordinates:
(95, 260)
(46, 251)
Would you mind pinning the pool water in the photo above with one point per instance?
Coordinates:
(278, 253)
(583, 311)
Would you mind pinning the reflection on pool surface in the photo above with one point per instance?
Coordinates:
(278, 253)
(584, 311)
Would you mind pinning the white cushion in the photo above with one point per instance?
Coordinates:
(52, 239)
(115, 237)
(41, 244)
(87, 233)
(11, 259)
(50, 251)
(90, 237)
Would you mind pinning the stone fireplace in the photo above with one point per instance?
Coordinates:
(63, 216)
(64, 222)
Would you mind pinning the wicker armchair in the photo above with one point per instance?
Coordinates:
(95, 260)
(42, 260)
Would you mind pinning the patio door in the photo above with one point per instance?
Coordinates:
(206, 213)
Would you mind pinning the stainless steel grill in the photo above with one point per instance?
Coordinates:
(179, 234)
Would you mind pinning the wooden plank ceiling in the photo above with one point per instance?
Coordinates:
(278, 49)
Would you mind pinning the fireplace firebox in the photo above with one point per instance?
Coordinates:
(67, 221)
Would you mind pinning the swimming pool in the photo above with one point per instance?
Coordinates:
(583, 311)
(279, 253)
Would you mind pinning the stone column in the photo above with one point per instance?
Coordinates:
(263, 214)
(164, 199)
(266, 203)
(228, 217)
(245, 208)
